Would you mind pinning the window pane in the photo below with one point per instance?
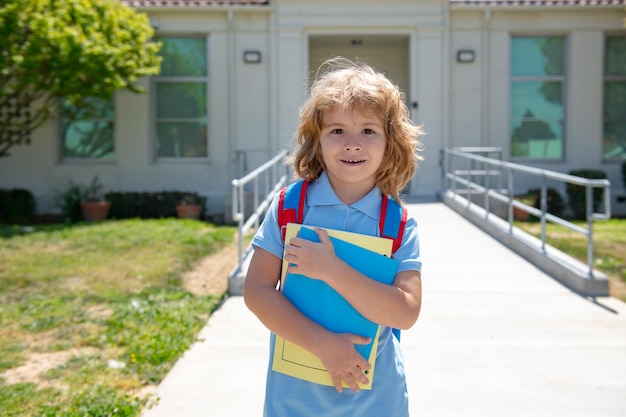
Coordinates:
(181, 139)
(615, 56)
(615, 99)
(183, 57)
(88, 129)
(614, 143)
(614, 140)
(537, 56)
(88, 140)
(537, 99)
(537, 139)
(181, 100)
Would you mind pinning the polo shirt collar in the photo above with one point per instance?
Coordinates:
(322, 194)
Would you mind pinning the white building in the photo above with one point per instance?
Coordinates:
(543, 79)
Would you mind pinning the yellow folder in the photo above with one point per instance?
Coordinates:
(291, 359)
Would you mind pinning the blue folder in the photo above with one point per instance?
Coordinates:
(322, 304)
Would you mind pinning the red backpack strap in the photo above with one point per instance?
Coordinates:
(392, 221)
(291, 204)
(391, 226)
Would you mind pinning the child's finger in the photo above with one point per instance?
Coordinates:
(361, 375)
(323, 236)
(336, 382)
(352, 382)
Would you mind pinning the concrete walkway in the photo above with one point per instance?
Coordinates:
(496, 337)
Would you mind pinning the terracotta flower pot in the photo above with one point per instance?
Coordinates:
(188, 211)
(95, 210)
(520, 215)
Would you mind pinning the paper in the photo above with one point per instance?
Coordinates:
(369, 255)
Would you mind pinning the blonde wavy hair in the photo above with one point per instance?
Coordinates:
(350, 85)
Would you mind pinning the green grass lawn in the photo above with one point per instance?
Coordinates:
(103, 303)
(610, 248)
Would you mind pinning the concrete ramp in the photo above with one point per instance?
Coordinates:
(497, 337)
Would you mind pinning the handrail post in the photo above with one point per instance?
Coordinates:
(240, 218)
(487, 170)
(238, 203)
(544, 210)
(590, 210)
(510, 206)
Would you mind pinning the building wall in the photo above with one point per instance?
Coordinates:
(253, 108)
(239, 120)
(480, 91)
(422, 22)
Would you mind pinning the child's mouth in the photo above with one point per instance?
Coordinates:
(352, 161)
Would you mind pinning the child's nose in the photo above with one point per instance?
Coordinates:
(352, 143)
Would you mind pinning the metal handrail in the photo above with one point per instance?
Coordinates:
(270, 173)
(471, 176)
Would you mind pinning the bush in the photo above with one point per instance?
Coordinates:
(148, 205)
(16, 206)
(68, 200)
(577, 194)
(556, 202)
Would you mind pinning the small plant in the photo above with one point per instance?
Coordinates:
(556, 203)
(94, 191)
(529, 200)
(68, 200)
(190, 206)
(192, 199)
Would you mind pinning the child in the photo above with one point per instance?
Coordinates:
(355, 141)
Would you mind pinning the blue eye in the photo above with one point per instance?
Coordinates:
(337, 131)
(368, 131)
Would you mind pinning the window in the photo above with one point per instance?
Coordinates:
(87, 129)
(537, 91)
(181, 99)
(614, 145)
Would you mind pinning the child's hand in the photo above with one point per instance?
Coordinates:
(339, 356)
(316, 260)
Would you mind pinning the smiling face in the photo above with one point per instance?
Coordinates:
(352, 145)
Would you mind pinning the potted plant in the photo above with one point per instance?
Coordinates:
(520, 214)
(190, 206)
(93, 204)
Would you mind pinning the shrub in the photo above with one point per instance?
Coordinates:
(577, 194)
(68, 200)
(148, 205)
(16, 205)
(556, 202)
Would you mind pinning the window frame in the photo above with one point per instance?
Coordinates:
(180, 79)
(562, 78)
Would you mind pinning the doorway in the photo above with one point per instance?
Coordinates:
(388, 54)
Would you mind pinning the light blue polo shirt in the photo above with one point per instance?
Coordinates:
(286, 396)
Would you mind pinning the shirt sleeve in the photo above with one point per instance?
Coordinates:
(409, 252)
(269, 236)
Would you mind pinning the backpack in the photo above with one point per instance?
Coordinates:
(291, 205)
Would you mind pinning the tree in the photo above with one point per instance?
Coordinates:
(53, 50)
